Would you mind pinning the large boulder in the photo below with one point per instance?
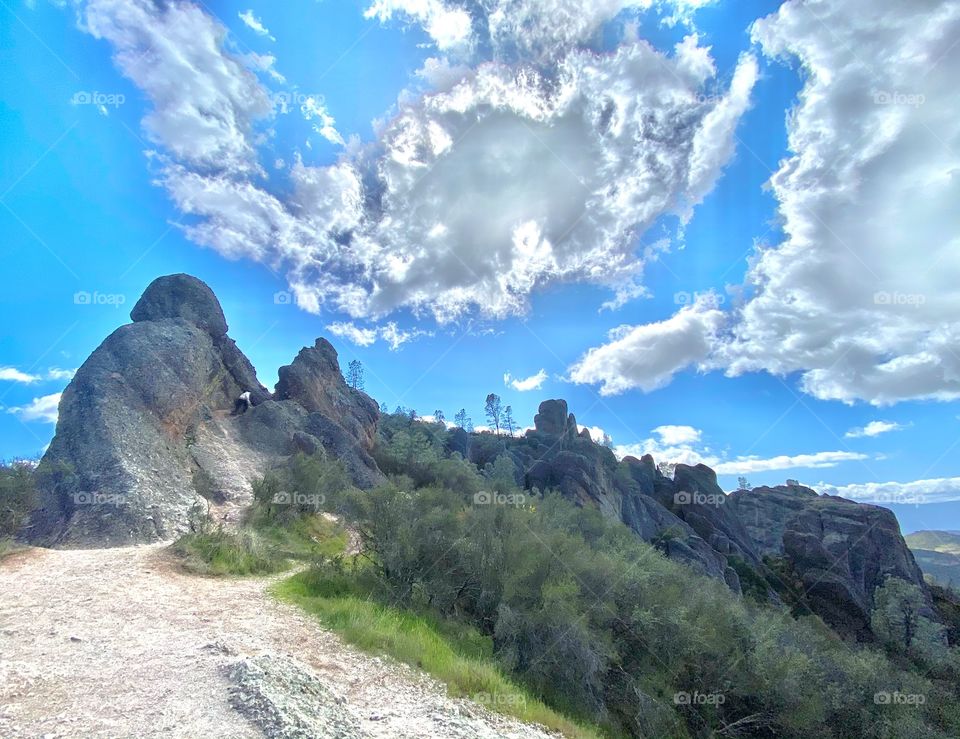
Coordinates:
(840, 550)
(181, 296)
(145, 436)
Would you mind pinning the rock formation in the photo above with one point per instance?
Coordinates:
(145, 433)
(839, 551)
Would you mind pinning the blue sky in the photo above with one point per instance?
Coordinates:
(453, 197)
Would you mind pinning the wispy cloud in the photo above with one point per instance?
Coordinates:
(391, 333)
(255, 24)
(874, 428)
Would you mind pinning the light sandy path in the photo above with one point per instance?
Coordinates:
(121, 643)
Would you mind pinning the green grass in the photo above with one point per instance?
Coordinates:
(305, 538)
(222, 552)
(261, 549)
(457, 655)
(947, 542)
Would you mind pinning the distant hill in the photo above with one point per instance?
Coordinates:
(938, 554)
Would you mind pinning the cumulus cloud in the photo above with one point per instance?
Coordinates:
(861, 297)
(673, 435)
(874, 428)
(255, 24)
(42, 409)
(534, 382)
(12, 374)
(863, 294)
(937, 490)
(496, 179)
(648, 356)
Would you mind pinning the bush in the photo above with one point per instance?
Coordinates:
(222, 552)
(17, 496)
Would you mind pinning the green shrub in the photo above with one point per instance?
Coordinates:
(17, 496)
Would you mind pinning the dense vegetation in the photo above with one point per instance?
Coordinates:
(598, 624)
(17, 498)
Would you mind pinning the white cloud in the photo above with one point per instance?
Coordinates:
(55, 373)
(390, 332)
(862, 295)
(874, 428)
(938, 490)
(673, 435)
(684, 445)
(475, 195)
(534, 382)
(204, 101)
(353, 333)
(255, 24)
(42, 409)
(12, 374)
(818, 460)
(648, 356)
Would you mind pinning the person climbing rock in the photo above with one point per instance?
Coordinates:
(242, 404)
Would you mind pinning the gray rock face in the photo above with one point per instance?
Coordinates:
(181, 296)
(145, 432)
(841, 550)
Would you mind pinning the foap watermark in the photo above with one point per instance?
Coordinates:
(306, 103)
(282, 297)
(904, 497)
(697, 498)
(884, 297)
(93, 497)
(84, 297)
(99, 99)
(499, 699)
(896, 698)
(910, 99)
(709, 298)
(696, 698)
(301, 500)
(485, 497)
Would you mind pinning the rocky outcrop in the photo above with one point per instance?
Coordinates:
(145, 434)
(840, 550)
(556, 456)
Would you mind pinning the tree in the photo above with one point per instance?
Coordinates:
(494, 411)
(461, 418)
(385, 409)
(742, 484)
(896, 620)
(508, 422)
(439, 417)
(607, 441)
(355, 374)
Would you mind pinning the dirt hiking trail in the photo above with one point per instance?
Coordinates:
(122, 643)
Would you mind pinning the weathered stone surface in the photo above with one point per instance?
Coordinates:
(145, 432)
(841, 550)
(181, 296)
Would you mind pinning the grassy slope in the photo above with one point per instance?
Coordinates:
(458, 656)
(938, 554)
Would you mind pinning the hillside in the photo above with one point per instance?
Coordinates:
(618, 598)
(938, 554)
